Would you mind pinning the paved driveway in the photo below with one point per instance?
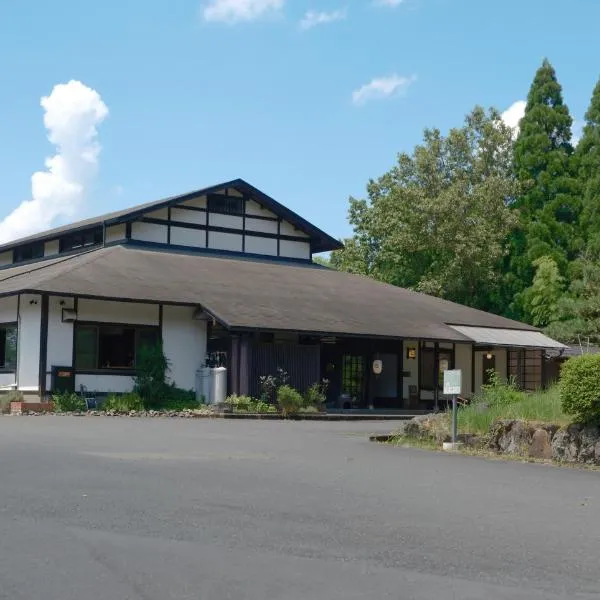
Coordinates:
(115, 509)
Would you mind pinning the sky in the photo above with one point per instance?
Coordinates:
(108, 105)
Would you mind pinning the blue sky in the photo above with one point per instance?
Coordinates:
(190, 93)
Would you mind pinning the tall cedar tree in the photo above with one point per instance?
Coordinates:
(549, 207)
(588, 161)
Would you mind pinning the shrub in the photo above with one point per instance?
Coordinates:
(240, 403)
(316, 395)
(497, 392)
(263, 407)
(69, 402)
(177, 399)
(123, 403)
(580, 387)
(152, 368)
(6, 399)
(290, 400)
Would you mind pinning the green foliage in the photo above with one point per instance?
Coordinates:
(588, 162)
(6, 399)
(178, 399)
(438, 221)
(498, 392)
(239, 403)
(316, 395)
(580, 387)
(123, 403)
(68, 402)
(543, 406)
(152, 368)
(543, 297)
(290, 400)
(550, 205)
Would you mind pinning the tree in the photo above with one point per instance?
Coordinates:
(543, 297)
(588, 160)
(550, 205)
(438, 221)
(578, 318)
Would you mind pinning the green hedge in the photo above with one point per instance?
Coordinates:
(580, 387)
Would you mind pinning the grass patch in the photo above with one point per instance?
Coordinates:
(543, 406)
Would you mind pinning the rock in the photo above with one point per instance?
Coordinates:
(589, 437)
(597, 453)
(540, 444)
(565, 445)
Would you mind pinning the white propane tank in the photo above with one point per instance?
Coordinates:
(202, 385)
(218, 385)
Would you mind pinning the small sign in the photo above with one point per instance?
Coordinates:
(377, 367)
(452, 382)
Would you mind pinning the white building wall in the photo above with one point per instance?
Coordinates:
(131, 313)
(115, 233)
(463, 361)
(182, 236)
(184, 344)
(254, 208)
(260, 245)
(28, 361)
(60, 335)
(149, 232)
(410, 366)
(6, 258)
(188, 216)
(261, 225)
(225, 241)
(288, 229)
(229, 221)
(199, 202)
(294, 249)
(51, 248)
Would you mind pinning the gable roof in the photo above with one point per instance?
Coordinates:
(320, 241)
(251, 294)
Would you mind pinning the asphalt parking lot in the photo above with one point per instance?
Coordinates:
(161, 509)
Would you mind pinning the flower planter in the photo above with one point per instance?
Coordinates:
(18, 408)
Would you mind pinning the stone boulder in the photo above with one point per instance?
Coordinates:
(540, 445)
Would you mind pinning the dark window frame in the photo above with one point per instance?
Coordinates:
(226, 205)
(31, 251)
(437, 352)
(4, 327)
(96, 355)
(81, 239)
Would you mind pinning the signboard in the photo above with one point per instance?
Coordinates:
(377, 367)
(452, 382)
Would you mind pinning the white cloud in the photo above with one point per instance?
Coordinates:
(234, 11)
(313, 18)
(392, 3)
(72, 113)
(513, 115)
(382, 87)
(576, 131)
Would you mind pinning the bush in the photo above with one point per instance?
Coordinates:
(152, 368)
(69, 402)
(580, 387)
(497, 392)
(240, 403)
(316, 395)
(123, 403)
(6, 399)
(290, 400)
(177, 399)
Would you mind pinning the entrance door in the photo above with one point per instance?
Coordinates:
(353, 378)
(489, 366)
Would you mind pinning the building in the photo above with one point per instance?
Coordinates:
(227, 271)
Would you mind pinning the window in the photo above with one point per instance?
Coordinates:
(28, 252)
(226, 205)
(81, 239)
(353, 372)
(8, 347)
(110, 346)
(445, 360)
